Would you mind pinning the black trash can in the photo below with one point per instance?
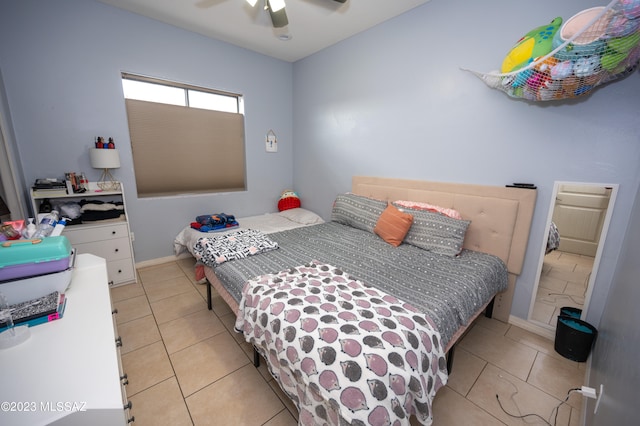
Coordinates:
(574, 338)
(570, 311)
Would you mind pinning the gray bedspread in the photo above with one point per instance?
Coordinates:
(449, 290)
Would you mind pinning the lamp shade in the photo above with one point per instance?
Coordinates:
(104, 158)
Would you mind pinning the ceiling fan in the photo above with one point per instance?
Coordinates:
(277, 11)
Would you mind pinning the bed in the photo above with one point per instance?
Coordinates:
(384, 316)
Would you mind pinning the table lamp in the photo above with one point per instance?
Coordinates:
(105, 159)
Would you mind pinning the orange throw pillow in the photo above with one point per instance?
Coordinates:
(393, 225)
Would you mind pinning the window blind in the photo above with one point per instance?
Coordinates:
(178, 149)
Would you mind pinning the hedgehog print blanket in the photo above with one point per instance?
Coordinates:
(342, 350)
(213, 251)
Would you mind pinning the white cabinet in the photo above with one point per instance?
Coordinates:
(109, 239)
(68, 372)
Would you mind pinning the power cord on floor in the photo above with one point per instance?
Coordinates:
(556, 409)
(561, 295)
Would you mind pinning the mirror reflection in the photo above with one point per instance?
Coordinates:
(578, 219)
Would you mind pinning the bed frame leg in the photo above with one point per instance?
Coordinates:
(209, 303)
(489, 311)
(256, 358)
(450, 359)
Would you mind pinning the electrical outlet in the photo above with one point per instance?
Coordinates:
(595, 410)
(589, 392)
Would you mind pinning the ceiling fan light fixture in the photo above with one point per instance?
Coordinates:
(276, 5)
(252, 2)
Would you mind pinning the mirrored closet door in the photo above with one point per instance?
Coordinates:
(576, 228)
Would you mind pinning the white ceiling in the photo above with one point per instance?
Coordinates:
(313, 24)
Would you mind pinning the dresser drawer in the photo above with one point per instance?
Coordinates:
(96, 233)
(109, 249)
(121, 271)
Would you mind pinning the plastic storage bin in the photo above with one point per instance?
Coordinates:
(38, 256)
(574, 338)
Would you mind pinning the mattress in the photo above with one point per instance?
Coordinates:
(267, 223)
(449, 290)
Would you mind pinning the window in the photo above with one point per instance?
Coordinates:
(184, 139)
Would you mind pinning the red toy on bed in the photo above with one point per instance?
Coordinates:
(288, 200)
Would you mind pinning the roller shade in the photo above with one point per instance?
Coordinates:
(178, 149)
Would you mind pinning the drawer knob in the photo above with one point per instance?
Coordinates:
(115, 311)
(119, 341)
(131, 419)
(128, 405)
(119, 271)
(117, 250)
(113, 232)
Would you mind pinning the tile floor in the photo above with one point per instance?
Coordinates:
(563, 282)
(185, 366)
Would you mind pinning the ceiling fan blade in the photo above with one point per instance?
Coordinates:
(341, 1)
(279, 19)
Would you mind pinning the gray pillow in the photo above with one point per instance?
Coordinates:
(357, 211)
(436, 232)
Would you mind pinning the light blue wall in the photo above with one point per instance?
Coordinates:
(615, 354)
(61, 63)
(390, 102)
(394, 102)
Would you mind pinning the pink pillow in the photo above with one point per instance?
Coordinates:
(429, 207)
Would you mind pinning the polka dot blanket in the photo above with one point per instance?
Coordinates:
(343, 350)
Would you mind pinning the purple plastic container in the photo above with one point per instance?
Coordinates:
(29, 258)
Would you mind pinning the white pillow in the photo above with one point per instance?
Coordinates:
(302, 216)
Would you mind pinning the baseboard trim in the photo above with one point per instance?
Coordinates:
(161, 260)
(533, 328)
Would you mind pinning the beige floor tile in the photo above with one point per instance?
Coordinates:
(126, 291)
(577, 290)
(157, 273)
(159, 290)
(494, 348)
(241, 398)
(202, 289)
(492, 324)
(174, 307)
(146, 367)
(283, 418)
(466, 369)
(187, 264)
(213, 364)
(161, 404)
(556, 376)
(516, 396)
(138, 333)
(566, 274)
(133, 308)
(530, 339)
(452, 409)
(552, 285)
(205, 362)
(543, 312)
(190, 329)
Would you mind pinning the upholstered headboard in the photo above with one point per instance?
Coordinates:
(500, 216)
